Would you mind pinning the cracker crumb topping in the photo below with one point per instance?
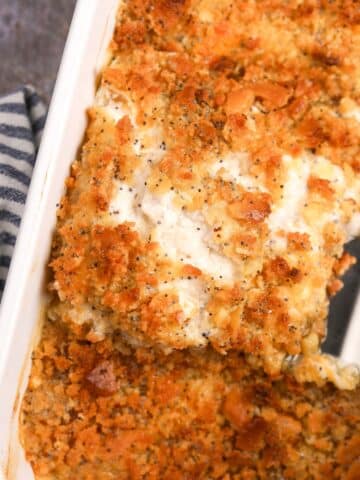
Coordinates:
(199, 240)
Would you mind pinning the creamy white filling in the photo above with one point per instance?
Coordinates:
(322, 167)
(193, 298)
(286, 215)
(233, 167)
(185, 236)
(116, 106)
(148, 143)
(125, 206)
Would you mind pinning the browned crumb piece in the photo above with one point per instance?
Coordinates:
(101, 379)
(183, 416)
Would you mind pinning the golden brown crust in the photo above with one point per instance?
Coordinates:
(242, 113)
(186, 415)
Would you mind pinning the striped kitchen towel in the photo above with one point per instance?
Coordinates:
(22, 118)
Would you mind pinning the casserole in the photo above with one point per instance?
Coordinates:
(84, 54)
(55, 194)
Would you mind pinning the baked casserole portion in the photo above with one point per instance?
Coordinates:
(197, 246)
(219, 180)
(91, 413)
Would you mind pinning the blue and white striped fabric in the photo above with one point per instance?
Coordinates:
(22, 118)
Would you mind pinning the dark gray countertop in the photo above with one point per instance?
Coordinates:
(32, 37)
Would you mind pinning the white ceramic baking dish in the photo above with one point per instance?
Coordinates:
(84, 55)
